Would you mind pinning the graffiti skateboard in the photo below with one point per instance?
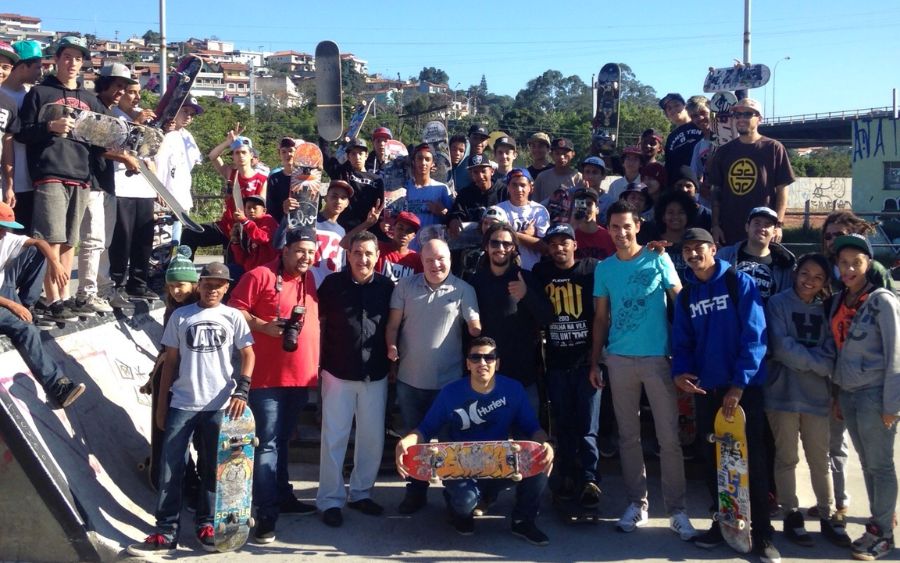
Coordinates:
(606, 110)
(501, 459)
(329, 106)
(732, 478)
(687, 418)
(435, 134)
(234, 481)
(178, 89)
(737, 77)
(305, 185)
(723, 126)
(357, 118)
(106, 131)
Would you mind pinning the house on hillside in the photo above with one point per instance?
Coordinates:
(295, 63)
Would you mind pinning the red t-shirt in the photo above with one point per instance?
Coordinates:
(597, 245)
(256, 293)
(394, 265)
(252, 185)
(843, 318)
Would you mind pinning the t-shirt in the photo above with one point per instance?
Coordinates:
(680, 149)
(278, 190)
(597, 245)
(205, 338)
(636, 290)
(11, 245)
(256, 292)
(550, 180)
(129, 186)
(396, 266)
(418, 198)
(431, 331)
(176, 158)
(519, 218)
(472, 416)
(760, 269)
(746, 175)
(536, 171)
(9, 118)
(250, 185)
(21, 177)
(700, 157)
(570, 292)
(330, 254)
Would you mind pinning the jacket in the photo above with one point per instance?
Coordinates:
(783, 261)
(256, 245)
(471, 202)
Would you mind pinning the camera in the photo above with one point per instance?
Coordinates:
(580, 209)
(292, 327)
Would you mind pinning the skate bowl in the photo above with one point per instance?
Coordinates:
(70, 484)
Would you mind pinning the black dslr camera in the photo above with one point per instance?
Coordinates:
(292, 327)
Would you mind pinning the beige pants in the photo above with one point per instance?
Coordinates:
(814, 432)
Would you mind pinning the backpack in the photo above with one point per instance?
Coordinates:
(731, 283)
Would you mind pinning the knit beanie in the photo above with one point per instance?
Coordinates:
(181, 269)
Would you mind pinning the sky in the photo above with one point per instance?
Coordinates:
(843, 55)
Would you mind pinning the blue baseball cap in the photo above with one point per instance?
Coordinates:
(516, 172)
(594, 161)
(563, 229)
(241, 142)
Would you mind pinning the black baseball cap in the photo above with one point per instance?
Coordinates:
(508, 141)
(301, 234)
(562, 143)
(357, 143)
(215, 271)
(586, 193)
(478, 130)
(853, 240)
(563, 229)
(698, 234)
(476, 160)
(668, 98)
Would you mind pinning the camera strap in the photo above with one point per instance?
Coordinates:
(279, 285)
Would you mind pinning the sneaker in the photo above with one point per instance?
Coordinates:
(38, 319)
(835, 530)
(880, 546)
(710, 538)
(294, 506)
(590, 495)
(530, 533)
(264, 531)
(80, 308)
(635, 516)
(143, 293)
(795, 530)
(96, 304)
(333, 517)
(206, 537)
(767, 551)
(65, 392)
(367, 506)
(464, 525)
(155, 543)
(59, 313)
(412, 502)
(774, 507)
(119, 299)
(681, 525)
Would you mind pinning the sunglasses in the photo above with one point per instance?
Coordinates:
(831, 236)
(489, 358)
(505, 245)
(744, 114)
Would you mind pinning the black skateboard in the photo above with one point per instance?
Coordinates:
(606, 111)
(329, 107)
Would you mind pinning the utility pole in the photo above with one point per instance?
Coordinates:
(747, 32)
(163, 54)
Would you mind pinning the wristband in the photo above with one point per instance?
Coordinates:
(242, 391)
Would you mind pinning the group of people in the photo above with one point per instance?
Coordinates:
(578, 292)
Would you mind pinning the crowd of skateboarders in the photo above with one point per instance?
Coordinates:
(594, 299)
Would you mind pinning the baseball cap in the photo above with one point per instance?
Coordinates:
(540, 136)
(516, 172)
(382, 132)
(8, 217)
(216, 271)
(655, 171)
(563, 229)
(28, 49)
(241, 142)
(763, 212)
(853, 240)
(417, 148)
(698, 234)
(495, 213)
(476, 160)
(668, 98)
(508, 141)
(409, 218)
(192, 103)
(478, 130)
(287, 143)
(636, 151)
(301, 234)
(357, 143)
(586, 193)
(257, 198)
(341, 184)
(117, 70)
(6, 50)
(594, 161)
(562, 143)
(748, 103)
(74, 42)
(651, 132)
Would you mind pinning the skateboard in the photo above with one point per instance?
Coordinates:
(435, 134)
(606, 113)
(106, 131)
(737, 77)
(687, 418)
(234, 481)
(178, 89)
(723, 126)
(305, 185)
(500, 459)
(168, 197)
(730, 441)
(329, 110)
(357, 118)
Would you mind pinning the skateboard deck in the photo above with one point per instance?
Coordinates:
(357, 118)
(178, 89)
(606, 113)
(687, 418)
(305, 185)
(435, 134)
(101, 130)
(234, 481)
(329, 110)
(723, 127)
(737, 77)
(501, 459)
(168, 197)
(733, 480)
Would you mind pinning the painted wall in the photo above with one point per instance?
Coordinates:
(876, 165)
(824, 194)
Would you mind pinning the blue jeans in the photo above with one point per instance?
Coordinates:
(277, 412)
(462, 496)
(874, 443)
(575, 405)
(180, 426)
(414, 404)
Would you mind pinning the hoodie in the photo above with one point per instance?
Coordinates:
(51, 156)
(799, 369)
(720, 342)
(781, 268)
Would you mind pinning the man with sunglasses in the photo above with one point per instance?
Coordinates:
(485, 406)
(747, 172)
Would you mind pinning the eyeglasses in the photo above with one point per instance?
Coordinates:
(830, 236)
(744, 114)
(504, 244)
(488, 358)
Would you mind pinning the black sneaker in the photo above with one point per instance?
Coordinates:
(155, 543)
(333, 517)
(294, 506)
(143, 293)
(795, 530)
(119, 299)
(412, 502)
(767, 551)
(64, 392)
(59, 313)
(835, 530)
(38, 312)
(264, 531)
(710, 538)
(80, 308)
(367, 506)
(530, 533)
(590, 495)
(464, 525)
(206, 537)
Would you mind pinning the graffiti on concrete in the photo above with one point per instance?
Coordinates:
(823, 194)
(868, 137)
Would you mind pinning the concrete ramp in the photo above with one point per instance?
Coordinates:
(70, 484)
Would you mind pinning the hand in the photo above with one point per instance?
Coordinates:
(436, 208)
(730, 402)
(454, 228)
(393, 354)
(144, 116)
(290, 204)
(10, 197)
(61, 126)
(718, 235)
(685, 382)
(658, 246)
(161, 411)
(234, 133)
(517, 288)
(596, 377)
(58, 274)
(547, 456)
(889, 420)
(236, 407)
(400, 451)
(272, 328)
(238, 216)
(779, 232)
(19, 311)
(374, 213)
(131, 163)
(529, 229)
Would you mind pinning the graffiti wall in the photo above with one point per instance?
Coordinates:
(824, 194)
(876, 165)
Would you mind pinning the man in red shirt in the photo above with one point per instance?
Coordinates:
(396, 260)
(594, 241)
(279, 298)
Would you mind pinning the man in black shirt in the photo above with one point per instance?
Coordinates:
(368, 189)
(680, 142)
(279, 184)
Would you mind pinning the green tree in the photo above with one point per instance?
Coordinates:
(131, 57)
(834, 162)
(634, 90)
(151, 37)
(635, 117)
(552, 91)
(352, 82)
(434, 75)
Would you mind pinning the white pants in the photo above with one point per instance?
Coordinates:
(341, 400)
(96, 233)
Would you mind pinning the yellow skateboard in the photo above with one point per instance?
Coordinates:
(733, 480)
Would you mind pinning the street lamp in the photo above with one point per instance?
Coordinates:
(787, 58)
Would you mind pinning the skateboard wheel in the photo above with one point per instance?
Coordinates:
(516, 477)
(741, 524)
(738, 445)
(255, 442)
(515, 447)
(433, 441)
(711, 438)
(220, 528)
(717, 516)
(433, 449)
(434, 480)
(225, 444)
(251, 522)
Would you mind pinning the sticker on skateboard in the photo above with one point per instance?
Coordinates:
(435, 134)
(106, 131)
(329, 104)
(356, 122)
(723, 126)
(305, 187)
(178, 89)
(500, 459)
(737, 77)
(234, 481)
(733, 479)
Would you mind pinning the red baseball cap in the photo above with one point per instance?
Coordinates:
(8, 217)
(410, 218)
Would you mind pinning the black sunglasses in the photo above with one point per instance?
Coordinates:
(504, 244)
(744, 114)
(489, 358)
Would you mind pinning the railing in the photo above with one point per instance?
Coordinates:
(827, 116)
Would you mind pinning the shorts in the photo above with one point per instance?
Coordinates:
(58, 211)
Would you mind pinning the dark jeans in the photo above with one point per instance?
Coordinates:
(414, 404)
(211, 236)
(575, 405)
(463, 495)
(752, 403)
(180, 426)
(132, 242)
(277, 412)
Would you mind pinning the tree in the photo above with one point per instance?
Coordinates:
(90, 39)
(552, 91)
(352, 82)
(434, 75)
(634, 90)
(151, 37)
(482, 86)
(834, 162)
(132, 57)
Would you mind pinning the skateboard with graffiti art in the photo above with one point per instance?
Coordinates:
(234, 481)
(179, 88)
(738, 77)
(357, 118)
(723, 126)
(733, 479)
(106, 131)
(500, 459)
(305, 187)
(435, 134)
(606, 112)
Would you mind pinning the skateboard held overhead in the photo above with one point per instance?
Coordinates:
(606, 113)
(329, 103)
(501, 459)
(733, 479)
(178, 89)
(234, 481)
(738, 77)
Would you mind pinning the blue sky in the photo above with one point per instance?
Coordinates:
(843, 55)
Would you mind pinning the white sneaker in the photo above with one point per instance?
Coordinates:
(681, 525)
(635, 516)
(98, 304)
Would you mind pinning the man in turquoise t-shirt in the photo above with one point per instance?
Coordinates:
(630, 292)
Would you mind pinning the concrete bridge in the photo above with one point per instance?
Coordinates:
(828, 129)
